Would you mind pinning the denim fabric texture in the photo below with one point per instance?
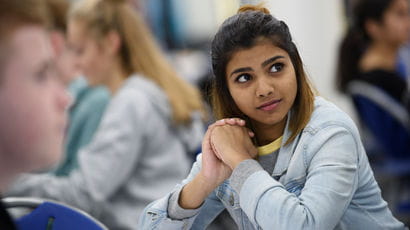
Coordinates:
(321, 180)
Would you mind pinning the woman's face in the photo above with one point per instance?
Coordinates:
(396, 23)
(262, 82)
(92, 59)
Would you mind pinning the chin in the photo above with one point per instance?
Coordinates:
(275, 120)
(51, 157)
(90, 82)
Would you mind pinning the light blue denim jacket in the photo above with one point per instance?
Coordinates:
(321, 180)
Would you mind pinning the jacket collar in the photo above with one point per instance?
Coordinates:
(286, 151)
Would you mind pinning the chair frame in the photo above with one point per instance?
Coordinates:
(33, 203)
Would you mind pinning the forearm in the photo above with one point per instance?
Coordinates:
(175, 212)
(195, 192)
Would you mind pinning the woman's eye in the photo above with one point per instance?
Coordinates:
(276, 67)
(80, 51)
(41, 75)
(243, 78)
(77, 50)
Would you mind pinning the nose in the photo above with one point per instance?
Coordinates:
(78, 67)
(63, 98)
(264, 87)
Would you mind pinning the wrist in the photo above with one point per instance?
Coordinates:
(205, 183)
(195, 192)
(238, 159)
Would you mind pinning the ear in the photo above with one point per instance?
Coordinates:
(58, 42)
(113, 42)
(373, 28)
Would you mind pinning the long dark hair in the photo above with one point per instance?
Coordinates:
(242, 31)
(356, 40)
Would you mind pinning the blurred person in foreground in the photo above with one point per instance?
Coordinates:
(33, 100)
(153, 121)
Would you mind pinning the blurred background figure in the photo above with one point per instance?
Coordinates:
(151, 125)
(33, 101)
(404, 60)
(370, 50)
(371, 72)
(89, 102)
(57, 15)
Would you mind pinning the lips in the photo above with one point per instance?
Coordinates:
(269, 105)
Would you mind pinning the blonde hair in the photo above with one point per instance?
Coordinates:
(139, 51)
(247, 26)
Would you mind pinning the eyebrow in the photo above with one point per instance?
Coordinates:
(240, 70)
(270, 60)
(265, 63)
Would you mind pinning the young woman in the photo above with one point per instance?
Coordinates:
(368, 70)
(369, 51)
(152, 122)
(287, 159)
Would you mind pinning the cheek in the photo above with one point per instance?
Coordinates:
(41, 125)
(36, 118)
(292, 91)
(27, 139)
(398, 29)
(30, 126)
(294, 87)
(96, 63)
(87, 61)
(44, 134)
(242, 99)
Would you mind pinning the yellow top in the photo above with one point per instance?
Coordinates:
(270, 148)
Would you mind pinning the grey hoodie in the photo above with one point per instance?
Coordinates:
(136, 157)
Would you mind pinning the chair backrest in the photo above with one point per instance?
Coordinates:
(51, 215)
(384, 117)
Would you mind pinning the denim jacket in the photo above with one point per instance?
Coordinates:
(321, 180)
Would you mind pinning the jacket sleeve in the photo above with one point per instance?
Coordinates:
(330, 183)
(155, 215)
(103, 166)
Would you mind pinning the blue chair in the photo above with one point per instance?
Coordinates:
(51, 215)
(386, 125)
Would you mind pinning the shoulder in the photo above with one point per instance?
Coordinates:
(327, 114)
(330, 134)
(330, 129)
(95, 96)
(140, 83)
(142, 96)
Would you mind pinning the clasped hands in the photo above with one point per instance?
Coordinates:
(227, 143)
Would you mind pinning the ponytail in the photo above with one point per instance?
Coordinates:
(356, 40)
(350, 51)
(139, 52)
